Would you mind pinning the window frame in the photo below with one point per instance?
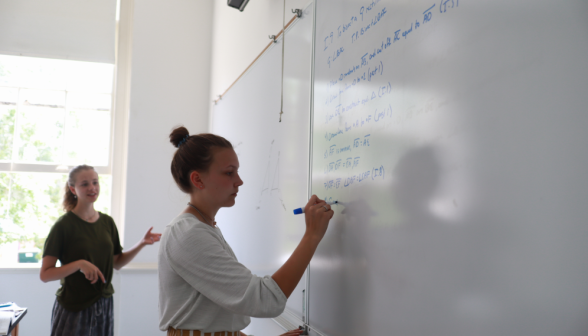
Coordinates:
(15, 166)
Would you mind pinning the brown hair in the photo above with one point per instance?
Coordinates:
(69, 199)
(195, 152)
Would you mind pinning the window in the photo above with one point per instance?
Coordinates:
(54, 114)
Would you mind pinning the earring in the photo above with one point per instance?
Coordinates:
(75, 196)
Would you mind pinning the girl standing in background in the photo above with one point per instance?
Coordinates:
(86, 242)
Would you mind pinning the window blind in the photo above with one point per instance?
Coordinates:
(82, 30)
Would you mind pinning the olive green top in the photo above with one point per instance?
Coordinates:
(72, 238)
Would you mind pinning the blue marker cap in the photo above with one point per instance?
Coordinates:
(300, 211)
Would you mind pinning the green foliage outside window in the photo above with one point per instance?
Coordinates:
(6, 132)
(31, 203)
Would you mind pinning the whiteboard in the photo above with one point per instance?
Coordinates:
(454, 134)
(274, 156)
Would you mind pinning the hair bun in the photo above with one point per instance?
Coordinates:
(177, 135)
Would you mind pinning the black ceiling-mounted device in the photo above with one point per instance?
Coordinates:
(239, 4)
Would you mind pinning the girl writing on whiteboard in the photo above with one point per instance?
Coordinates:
(86, 243)
(202, 287)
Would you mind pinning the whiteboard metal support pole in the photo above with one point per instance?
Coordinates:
(312, 52)
(283, 57)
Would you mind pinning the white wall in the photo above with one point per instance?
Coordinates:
(137, 303)
(169, 86)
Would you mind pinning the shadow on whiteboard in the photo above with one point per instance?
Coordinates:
(415, 181)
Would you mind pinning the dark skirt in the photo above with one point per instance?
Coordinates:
(96, 320)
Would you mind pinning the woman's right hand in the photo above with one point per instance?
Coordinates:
(91, 272)
(318, 214)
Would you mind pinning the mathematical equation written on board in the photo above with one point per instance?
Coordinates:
(362, 21)
(367, 17)
(357, 62)
(363, 69)
(343, 164)
(376, 173)
(356, 78)
(341, 109)
(378, 116)
(354, 145)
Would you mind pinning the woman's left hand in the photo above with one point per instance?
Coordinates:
(150, 237)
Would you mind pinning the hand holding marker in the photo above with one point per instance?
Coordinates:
(301, 210)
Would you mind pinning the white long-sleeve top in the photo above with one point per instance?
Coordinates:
(203, 287)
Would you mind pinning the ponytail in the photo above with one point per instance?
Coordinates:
(69, 199)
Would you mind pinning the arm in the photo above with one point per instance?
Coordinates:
(51, 273)
(120, 260)
(317, 220)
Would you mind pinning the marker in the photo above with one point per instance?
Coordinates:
(301, 210)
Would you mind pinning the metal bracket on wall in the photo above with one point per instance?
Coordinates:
(298, 12)
(273, 37)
